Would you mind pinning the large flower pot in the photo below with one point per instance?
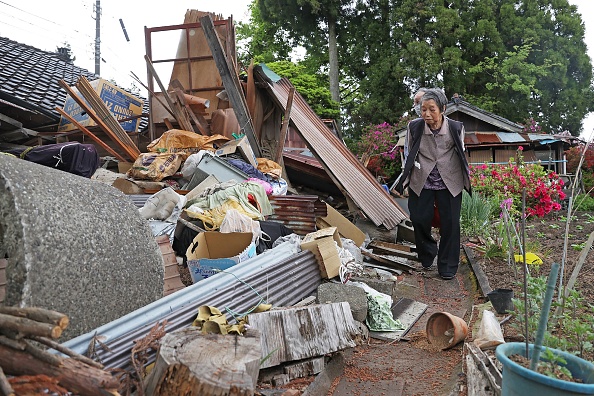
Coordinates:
(521, 381)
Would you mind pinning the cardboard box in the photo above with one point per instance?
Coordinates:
(346, 229)
(120, 103)
(243, 146)
(213, 251)
(323, 245)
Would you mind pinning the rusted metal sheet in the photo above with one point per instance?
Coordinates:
(344, 168)
(298, 212)
(487, 138)
(279, 276)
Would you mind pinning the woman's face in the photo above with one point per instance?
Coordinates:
(431, 113)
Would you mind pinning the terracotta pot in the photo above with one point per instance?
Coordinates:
(446, 330)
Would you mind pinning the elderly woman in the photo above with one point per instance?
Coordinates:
(436, 172)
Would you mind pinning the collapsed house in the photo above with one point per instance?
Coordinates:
(212, 157)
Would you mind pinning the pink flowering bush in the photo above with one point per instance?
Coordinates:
(378, 144)
(505, 182)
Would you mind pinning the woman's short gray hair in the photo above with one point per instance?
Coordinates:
(437, 95)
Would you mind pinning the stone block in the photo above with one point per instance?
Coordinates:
(75, 246)
(336, 292)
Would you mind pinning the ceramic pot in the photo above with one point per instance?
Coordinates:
(446, 330)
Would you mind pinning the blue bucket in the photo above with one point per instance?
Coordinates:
(521, 381)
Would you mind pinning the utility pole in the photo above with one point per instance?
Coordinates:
(98, 37)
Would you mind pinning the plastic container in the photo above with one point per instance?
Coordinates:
(502, 300)
(521, 381)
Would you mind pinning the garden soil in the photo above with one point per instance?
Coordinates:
(414, 366)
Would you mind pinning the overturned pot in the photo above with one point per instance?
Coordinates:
(446, 330)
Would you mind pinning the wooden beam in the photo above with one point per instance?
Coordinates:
(481, 277)
(231, 83)
(91, 135)
(284, 127)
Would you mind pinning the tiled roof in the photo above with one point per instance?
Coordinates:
(33, 75)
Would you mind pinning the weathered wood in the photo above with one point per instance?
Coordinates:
(483, 377)
(5, 387)
(90, 134)
(42, 355)
(38, 314)
(198, 119)
(67, 351)
(304, 332)
(29, 327)
(231, 82)
(278, 158)
(191, 363)
(388, 247)
(14, 344)
(390, 261)
(304, 368)
(75, 376)
(481, 277)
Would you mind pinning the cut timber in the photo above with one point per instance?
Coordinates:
(408, 312)
(392, 248)
(390, 261)
(38, 314)
(305, 368)
(191, 363)
(28, 327)
(75, 376)
(304, 332)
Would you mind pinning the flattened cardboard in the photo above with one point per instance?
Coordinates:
(321, 243)
(243, 146)
(346, 229)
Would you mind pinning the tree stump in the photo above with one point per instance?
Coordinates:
(191, 363)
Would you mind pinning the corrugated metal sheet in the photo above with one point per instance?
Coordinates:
(281, 277)
(487, 138)
(510, 137)
(346, 170)
(298, 212)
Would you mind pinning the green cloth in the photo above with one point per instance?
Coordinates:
(379, 315)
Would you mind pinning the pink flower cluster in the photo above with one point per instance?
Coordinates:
(543, 188)
(378, 142)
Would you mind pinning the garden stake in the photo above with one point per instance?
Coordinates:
(544, 316)
(525, 266)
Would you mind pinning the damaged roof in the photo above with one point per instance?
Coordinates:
(342, 166)
(29, 78)
(476, 112)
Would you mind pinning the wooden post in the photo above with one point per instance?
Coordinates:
(284, 127)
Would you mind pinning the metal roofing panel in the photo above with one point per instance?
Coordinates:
(487, 138)
(510, 137)
(345, 169)
(281, 277)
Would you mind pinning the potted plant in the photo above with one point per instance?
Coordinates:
(560, 373)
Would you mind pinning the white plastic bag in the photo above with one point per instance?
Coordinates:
(235, 221)
(489, 334)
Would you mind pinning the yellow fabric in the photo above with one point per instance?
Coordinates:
(213, 218)
(269, 167)
(177, 140)
(531, 258)
(211, 321)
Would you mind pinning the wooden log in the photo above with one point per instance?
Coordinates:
(191, 363)
(75, 376)
(5, 387)
(29, 327)
(67, 351)
(38, 314)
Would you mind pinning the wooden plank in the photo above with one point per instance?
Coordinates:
(483, 377)
(406, 310)
(390, 261)
(481, 277)
(231, 83)
(304, 368)
(304, 332)
(389, 247)
(284, 127)
(3, 265)
(171, 279)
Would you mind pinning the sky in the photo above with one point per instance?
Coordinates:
(49, 24)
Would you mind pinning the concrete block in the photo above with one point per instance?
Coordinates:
(336, 292)
(75, 246)
(382, 286)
